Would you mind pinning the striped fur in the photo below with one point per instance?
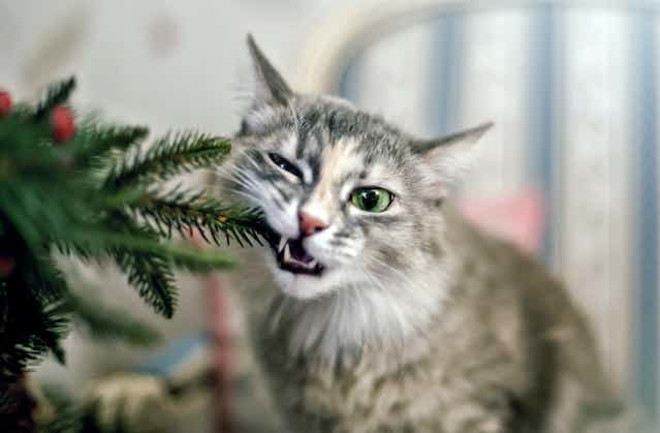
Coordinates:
(419, 323)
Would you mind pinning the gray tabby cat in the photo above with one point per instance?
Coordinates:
(381, 310)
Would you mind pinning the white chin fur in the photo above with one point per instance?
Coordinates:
(340, 312)
(300, 286)
(352, 319)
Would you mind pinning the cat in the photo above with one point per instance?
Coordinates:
(375, 307)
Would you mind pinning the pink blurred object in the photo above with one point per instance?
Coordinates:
(215, 288)
(517, 218)
(217, 313)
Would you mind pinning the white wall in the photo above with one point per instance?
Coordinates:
(167, 62)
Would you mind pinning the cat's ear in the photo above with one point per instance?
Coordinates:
(446, 158)
(270, 86)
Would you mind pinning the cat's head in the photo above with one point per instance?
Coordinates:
(349, 199)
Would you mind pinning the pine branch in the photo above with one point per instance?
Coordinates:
(56, 94)
(90, 196)
(56, 326)
(29, 329)
(83, 252)
(99, 140)
(32, 316)
(168, 157)
(43, 214)
(104, 323)
(144, 241)
(23, 153)
(47, 283)
(152, 276)
(186, 210)
(199, 261)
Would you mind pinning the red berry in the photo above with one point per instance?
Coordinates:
(5, 103)
(64, 126)
(7, 265)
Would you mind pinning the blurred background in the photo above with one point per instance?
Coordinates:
(570, 172)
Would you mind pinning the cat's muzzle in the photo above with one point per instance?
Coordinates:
(292, 256)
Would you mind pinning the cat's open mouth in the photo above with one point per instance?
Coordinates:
(290, 254)
(292, 257)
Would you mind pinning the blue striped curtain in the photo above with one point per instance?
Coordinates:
(573, 92)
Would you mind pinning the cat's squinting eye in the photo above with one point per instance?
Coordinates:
(285, 165)
(372, 199)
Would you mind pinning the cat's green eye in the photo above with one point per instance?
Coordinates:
(372, 199)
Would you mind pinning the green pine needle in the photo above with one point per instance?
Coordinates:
(105, 323)
(23, 341)
(126, 234)
(199, 261)
(56, 94)
(152, 276)
(99, 140)
(168, 157)
(187, 210)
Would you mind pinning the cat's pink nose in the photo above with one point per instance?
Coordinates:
(310, 224)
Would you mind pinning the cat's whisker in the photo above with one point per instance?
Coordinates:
(247, 196)
(239, 181)
(246, 179)
(228, 173)
(241, 171)
(251, 160)
(244, 191)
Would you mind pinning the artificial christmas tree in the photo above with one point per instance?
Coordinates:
(94, 191)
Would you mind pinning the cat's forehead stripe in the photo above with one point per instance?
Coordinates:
(336, 160)
(288, 146)
(309, 144)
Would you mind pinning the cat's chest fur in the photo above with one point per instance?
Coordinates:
(370, 395)
(414, 388)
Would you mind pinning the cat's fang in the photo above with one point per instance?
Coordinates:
(291, 256)
(287, 252)
(283, 242)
